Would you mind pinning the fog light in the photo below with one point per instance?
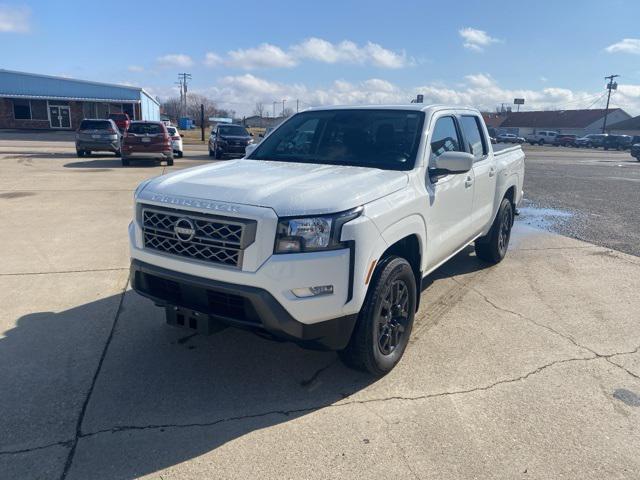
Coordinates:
(313, 291)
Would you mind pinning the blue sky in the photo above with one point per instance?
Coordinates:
(555, 54)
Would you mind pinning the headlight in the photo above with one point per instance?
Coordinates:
(250, 141)
(309, 234)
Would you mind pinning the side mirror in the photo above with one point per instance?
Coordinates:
(249, 149)
(451, 163)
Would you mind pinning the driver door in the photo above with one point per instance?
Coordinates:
(450, 197)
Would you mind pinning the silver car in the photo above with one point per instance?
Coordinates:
(98, 135)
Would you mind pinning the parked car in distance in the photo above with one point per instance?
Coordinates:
(146, 140)
(229, 141)
(617, 142)
(176, 140)
(509, 138)
(122, 120)
(635, 151)
(586, 141)
(565, 140)
(327, 242)
(97, 135)
(542, 137)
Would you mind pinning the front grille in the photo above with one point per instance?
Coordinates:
(215, 239)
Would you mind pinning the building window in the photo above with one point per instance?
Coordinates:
(103, 110)
(22, 110)
(89, 110)
(39, 110)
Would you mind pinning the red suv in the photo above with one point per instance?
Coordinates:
(122, 120)
(146, 140)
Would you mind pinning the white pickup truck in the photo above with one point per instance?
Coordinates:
(323, 233)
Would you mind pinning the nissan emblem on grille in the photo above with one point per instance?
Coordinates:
(184, 229)
(201, 236)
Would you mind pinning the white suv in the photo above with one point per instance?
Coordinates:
(542, 137)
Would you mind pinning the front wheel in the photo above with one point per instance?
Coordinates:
(493, 246)
(384, 324)
(541, 142)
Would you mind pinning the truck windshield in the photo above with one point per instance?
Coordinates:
(385, 139)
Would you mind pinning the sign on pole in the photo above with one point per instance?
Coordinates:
(518, 101)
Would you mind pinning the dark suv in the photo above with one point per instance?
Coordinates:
(229, 141)
(122, 120)
(97, 135)
(617, 142)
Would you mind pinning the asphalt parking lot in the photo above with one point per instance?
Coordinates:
(529, 369)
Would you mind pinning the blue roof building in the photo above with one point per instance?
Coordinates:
(33, 101)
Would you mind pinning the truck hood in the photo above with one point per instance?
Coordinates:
(287, 188)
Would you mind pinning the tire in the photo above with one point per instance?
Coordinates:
(541, 142)
(117, 153)
(170, 162)
(87, 153)
(382, 331)
(80, 153)
(216, 154)
(125, 162)
(211, 154)
(180, 154)
(493, 247)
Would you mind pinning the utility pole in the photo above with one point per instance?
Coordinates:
(283, 108)
(610, 86)
(183, 77)
(297, 105)
(274, 109)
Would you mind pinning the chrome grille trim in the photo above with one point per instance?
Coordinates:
(217, 239)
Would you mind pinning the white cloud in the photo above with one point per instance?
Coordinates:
(626, 45)
(315, 49)
(175, 60)
(476, 40)
(480, 90)
(14, 19)
(135, 68)
(262, 56)
(212, 59)
(347, 51)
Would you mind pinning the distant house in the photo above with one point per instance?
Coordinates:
(576, 122)
(630, 126)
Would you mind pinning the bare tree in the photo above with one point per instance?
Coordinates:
(173, 109)
(259, 109)
(287, 112)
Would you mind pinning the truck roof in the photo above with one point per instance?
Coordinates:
(421, 107)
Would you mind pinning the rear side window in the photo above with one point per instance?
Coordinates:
(445, 137)
(475, 138)
(95, 125)
(146, 128)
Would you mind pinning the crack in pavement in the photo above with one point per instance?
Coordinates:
(65, 443)
(85, 404)
(569, 338)
(17, 274)
(287, 413)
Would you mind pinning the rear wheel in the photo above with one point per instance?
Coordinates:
(80, 153)
(541, 142)
(117, 153)
(180, 154)
(169, 162)
(493, 247)
(125, 162)
(384, 324)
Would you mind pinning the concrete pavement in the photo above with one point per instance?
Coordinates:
(529, 369)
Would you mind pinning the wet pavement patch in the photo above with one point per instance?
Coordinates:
(543, 218)
(627, 396)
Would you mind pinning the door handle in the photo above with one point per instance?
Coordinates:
(468, 182)
(492, 172)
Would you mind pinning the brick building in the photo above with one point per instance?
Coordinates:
(31, 101)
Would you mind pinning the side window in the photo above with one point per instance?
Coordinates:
(444, 138)
(473, 134)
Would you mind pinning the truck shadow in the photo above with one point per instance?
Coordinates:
(163, 396)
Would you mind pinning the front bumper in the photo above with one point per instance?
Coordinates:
(237, 305)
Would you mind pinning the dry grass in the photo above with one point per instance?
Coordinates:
(192, 137)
